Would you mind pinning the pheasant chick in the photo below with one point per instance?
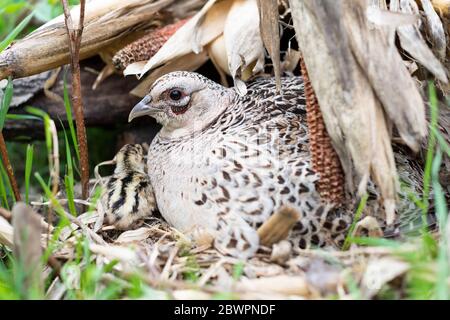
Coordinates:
(128, 196)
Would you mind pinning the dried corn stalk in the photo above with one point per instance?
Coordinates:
(325, 160)
(106, 23)
(351, 111)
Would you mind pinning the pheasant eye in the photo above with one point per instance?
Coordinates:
(175, 94)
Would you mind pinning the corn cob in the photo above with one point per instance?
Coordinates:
(144, 48)
(325, 160)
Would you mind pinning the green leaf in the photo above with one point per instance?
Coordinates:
(442, 288)
(6, 101)
(70, 119)
(69, 179)
(4, 197)
(442, 143)
(13, 34)
(28, 166)
(359, 211)
(21, 117)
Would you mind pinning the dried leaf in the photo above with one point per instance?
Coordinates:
(380, 271)
(387, 18)
(412, 41)
(6, 233)
(369, 224)
(287, 285)
(115, 252)
(218, 55)
(268, 12)
(134, 235)
(435, 28)
(243, 41)
(189, 62)
(134, 68)
(281, 252)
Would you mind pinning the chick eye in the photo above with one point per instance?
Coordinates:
(175, 94)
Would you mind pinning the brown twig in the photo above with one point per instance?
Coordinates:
(9, 168)
(74, 38)
(278, 226)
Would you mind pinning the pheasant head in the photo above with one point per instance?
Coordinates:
(183, 103)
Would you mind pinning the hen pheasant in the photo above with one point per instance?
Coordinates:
(224, 163)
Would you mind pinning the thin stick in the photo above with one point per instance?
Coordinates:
(9, 168)
(74, 38)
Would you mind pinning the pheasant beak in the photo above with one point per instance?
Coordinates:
(143, 108)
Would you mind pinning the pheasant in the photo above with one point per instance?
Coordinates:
(224, 163)
(129, 195)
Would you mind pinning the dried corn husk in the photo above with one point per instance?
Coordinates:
(268, 11)
(234, 44)
(336, 41)
(201, 29)
(189, 62)
(243, 43)
(412, 41)
(435, 28)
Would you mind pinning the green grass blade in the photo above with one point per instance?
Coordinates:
(14, 33)
(8, 189)
(55, 203)
(28, 166)
(69, 180)
(21, 117)
(4, 197)
(48, 134)
(442, 143)
(70, 119)
(374, 242)
(6, 101)
(95, 197)
(442, 288)
(359, 211)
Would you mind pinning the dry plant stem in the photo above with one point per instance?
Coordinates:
(278, 226)
(9, 168)
(325, 160)
(55, 159)
(74, 38)
(5, 214)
